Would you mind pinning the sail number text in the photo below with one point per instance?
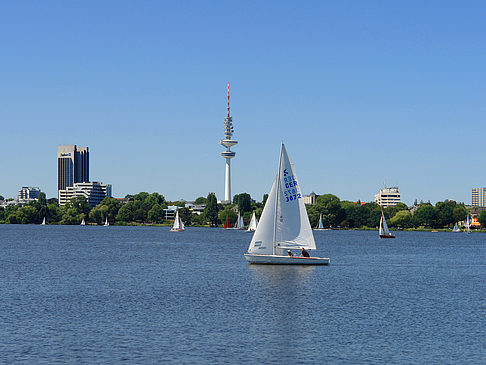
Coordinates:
(291, 191)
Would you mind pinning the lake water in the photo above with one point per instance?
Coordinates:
(144, 295)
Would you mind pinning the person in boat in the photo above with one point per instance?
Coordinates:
(289, 253)
(304, 252)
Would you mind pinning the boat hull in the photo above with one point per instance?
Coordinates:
(285, 260)
(386, 236)
(176, 230)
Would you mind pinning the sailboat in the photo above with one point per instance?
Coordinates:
(239, 222)
(227, 223)
(178, 225)
(284, 224)
(468, 225)
(320, 226)
(83, 223)
(253, 223)
(456, 228)
(384, 232)
(43, 222)
(106, 222)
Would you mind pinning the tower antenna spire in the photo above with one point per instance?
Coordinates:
(228, 107)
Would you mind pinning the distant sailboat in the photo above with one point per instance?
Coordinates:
(253, 223)
(178, 225)
(320, 226)
(83, 222)
(456, 228)
(43, 222)
(468, 225)
(284, 224)
(384, 232)
(227, 223)
(239, 222)
(106, 222)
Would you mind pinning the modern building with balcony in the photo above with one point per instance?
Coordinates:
(72, 166)
(388, 197)
(93, 191)
(27, 194)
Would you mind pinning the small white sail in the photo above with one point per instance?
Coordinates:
(178, 225)
(468, 229)
(43, 222)
(320, 226)
(253, 223)
(82, 222)
(106, 222)
(384, 231)
(456, 228)
(284, 223)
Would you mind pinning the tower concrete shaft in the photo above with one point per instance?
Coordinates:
(228, 142)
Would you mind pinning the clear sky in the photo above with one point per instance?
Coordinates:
(361, 92)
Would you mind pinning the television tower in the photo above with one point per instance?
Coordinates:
(228, 154)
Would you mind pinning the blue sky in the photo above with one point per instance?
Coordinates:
(361, 92)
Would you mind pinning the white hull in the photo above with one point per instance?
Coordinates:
(254, 258)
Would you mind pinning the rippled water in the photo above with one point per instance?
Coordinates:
(146, 295)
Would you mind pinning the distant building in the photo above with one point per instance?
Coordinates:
(196, 208)
(94, 192)
(388, 197)
(27, 194)
(478, 197)
(310, 199)
(72, 166)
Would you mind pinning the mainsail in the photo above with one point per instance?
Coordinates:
(384, 231)
(177, 222)
(253, 223)
(284, 223)
(320, 226)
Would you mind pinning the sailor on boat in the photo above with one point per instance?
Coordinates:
(304, 253)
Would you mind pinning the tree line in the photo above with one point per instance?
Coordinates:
(145, 208)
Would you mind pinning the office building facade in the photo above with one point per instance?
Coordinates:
(388, 197)
(72, 166)
(94, 192)
(27, 194)
(478, 197)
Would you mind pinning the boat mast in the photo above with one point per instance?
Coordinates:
(276, 199)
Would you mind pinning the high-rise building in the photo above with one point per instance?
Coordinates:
(72, 166)
(94, 192)
(27, 194)
(479, 197)
(388, 197)
(228, 154)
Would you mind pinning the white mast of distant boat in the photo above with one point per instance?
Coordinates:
(284, 224)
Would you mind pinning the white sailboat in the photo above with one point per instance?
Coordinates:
(253, 223)
(106, 222)
(284, 224)
(239, 222)
(468, 225)
(320, 226)
(178, 225)
(43, 222)
(384, 232)
(456, 228)
(83, 222)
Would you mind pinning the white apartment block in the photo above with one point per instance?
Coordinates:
(388, 197)
(27, 194)
(93, 191)
(478, 197)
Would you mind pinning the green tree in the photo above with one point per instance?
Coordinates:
(186, 216)
(445, 213)
(125, 213)
(2, 214)
(74, 211)
(244, 202)
(53, 213)
(459, 213)
(230, 213)
(425, 215)
(156, 214)
(200, 201)
(211, 210)
(27, 214)
(264, 200)
(113, 206)
(402, 219)
(329, 206)
(482, 218)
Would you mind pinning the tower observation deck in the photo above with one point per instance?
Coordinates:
(228, 142)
